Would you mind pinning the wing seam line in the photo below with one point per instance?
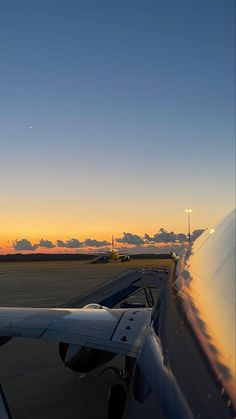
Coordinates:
(117, 325)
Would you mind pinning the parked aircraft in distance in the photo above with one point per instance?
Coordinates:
(112, 255)
(179, 351)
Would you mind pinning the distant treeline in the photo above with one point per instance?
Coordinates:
(38, 257)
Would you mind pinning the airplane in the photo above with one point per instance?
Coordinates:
(178, 351)
(113, 255)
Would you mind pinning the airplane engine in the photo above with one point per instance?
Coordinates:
(81, 359)
(3, 340)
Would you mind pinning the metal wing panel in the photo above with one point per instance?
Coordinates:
(131, 327)
(93, 328)
(96, 322)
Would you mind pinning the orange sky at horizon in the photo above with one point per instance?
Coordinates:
(53, 227)
(100, 222)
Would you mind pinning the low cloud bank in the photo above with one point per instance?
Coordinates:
(146, 242)
(129, 238)
(197, 233)
(24, 244)
(70, 244)
(162, 236)
(95, 243)
(46, 243)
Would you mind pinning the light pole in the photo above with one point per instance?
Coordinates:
(189, 210)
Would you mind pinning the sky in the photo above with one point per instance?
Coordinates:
(115, 117)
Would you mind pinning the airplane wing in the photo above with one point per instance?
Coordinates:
(113, 330)
(85, 322)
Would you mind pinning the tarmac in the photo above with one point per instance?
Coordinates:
(35, 381)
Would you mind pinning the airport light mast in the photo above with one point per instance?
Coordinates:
(188, 211)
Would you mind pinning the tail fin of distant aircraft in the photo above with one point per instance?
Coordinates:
(112, 242)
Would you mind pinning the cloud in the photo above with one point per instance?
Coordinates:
(129, 238)
(196, 233)
(96, 243)
(181, 237)
(75, 243)
(24, 244)
(46, 243)
(148, 238)
(70, 244)
(162, 237)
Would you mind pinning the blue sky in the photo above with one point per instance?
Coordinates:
(131, 105)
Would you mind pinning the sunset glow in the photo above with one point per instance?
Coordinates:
(108, 126)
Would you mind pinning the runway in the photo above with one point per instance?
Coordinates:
(34, 379)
